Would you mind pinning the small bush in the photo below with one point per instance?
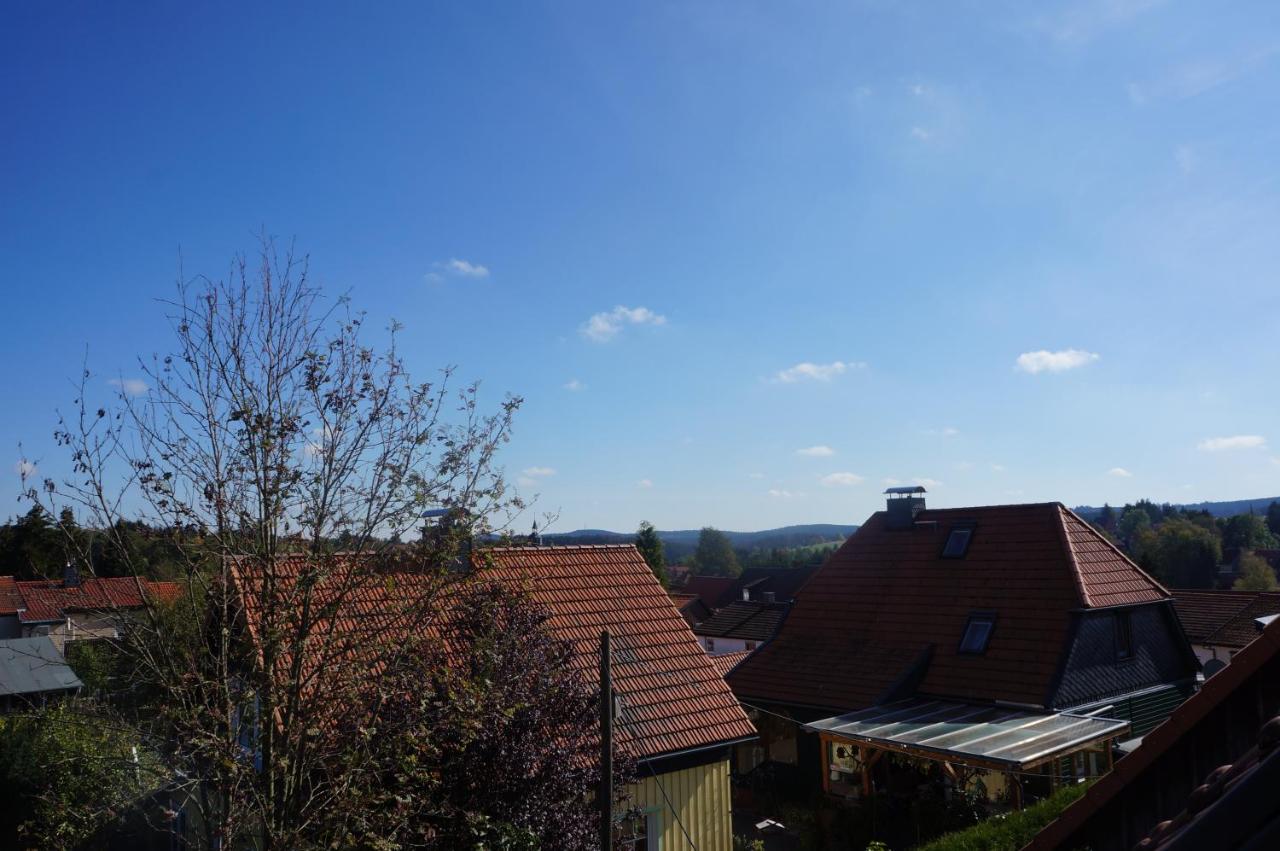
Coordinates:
(1010, 831)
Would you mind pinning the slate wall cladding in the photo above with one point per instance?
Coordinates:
(1092, 671)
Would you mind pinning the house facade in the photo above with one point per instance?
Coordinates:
(74, 609)
(1000, 645)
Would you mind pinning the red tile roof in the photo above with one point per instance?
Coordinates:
(726, 662)
(674, 698)
(887, 609)
(47, 600)
(1203, 613)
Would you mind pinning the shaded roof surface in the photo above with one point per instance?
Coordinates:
(47, 600)
(1223, 618)
(1255, 663)
(674, 697)
(712, 590)
(998, 736)
(745, 620)
(886, 609)
(33, 665)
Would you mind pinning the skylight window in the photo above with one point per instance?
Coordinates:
(977, 634)
(958, 542)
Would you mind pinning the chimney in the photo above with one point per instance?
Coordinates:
(70, 576)
(902, 506)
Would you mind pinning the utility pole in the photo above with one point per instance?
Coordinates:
(605, 794)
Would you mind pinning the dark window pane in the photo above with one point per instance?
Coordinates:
(957, 543)
(976, 635)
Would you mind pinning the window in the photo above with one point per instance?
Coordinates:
(977, 634)
(958, 542)
(1124, 637)
(640, 833)
(710, 643)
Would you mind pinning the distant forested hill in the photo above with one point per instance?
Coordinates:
(1216, 509)
(680, 544)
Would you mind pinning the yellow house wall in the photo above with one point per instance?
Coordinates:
(700, 796)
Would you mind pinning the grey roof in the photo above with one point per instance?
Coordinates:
(906, 489)
(972, 734)
(34, 665)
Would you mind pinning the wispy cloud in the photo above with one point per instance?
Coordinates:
(603, 327)
(832, 480)
(816, 451)
(998, 468)
(1059, 361)
(1085, 20)
(1225, 444)
(806, 371)
(644, 483)
(1120, 473)
(130, 386)
(945, 431)
(453, 267)
(539, 472)
(890, 482)
(781, 493)
(926, 482)
(1196, 78)
(574, 385)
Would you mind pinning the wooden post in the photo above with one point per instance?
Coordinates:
(824, 745)
(864, 757)
(606, 746)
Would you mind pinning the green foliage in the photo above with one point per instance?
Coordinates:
(31, 547)
(1182, 553)
(714, 555)
(1273, 518)
(788, 556)
(650, 546)
(1132, 522)
(1011, 831)
(1255, 574)
(1246, 531)
(746, 843)
(67, 772)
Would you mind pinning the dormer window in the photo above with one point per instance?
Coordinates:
(977, 634)
(958, 541)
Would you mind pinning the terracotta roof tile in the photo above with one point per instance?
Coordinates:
(726, 662)
(745, 619)
(1203, 613)
(47, 600)
(887, 597)
(10, 597)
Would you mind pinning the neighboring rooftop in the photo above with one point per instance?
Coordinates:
(1223, 618)
(887, 611)
(32, 666)
(744, 620)
(50, 600)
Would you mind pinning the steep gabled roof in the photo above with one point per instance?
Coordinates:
(674, 699)
(887, 610)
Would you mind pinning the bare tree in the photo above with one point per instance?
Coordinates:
(285, 458)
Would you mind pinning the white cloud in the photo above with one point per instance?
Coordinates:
(920, 134)
(25, 468)
(927, 482)
(1060, 361)
(1084, 20)
(779, 493)
(526, 482)
(466, 269)
(998, 468)
(130, 386)
(841, 480)
(644, 483)
(890, 481)
(964, 466)
(1239, 441)
(574, 385)
(539, 472)
(603, 327)
(806, 371)
(816, 452)
(947, 431)
(1120, 473)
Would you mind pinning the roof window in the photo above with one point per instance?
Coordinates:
(977, 634)
(958, 541)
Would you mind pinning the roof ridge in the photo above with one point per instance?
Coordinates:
(1107, 541)
(1069, 549)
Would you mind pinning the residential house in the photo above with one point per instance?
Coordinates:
(677, 716)
(71, 608)
(32, 671)
(741, 625)
(1001, 648)
(690, 606)
(1205, 778)
(1220, 623)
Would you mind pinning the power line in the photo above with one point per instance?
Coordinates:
(671, 807)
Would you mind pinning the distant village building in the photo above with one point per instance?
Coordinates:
(1220, 623)
(741, 625)
(74, 609)
(1003, 649)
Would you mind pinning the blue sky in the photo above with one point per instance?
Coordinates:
(747, 263)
